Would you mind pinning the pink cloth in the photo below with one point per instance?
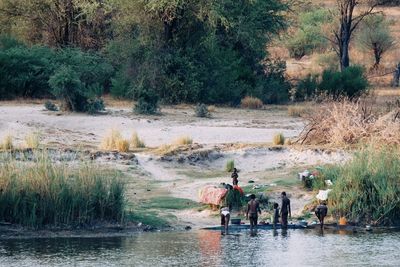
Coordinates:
(212, 195)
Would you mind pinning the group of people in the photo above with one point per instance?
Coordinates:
(253, 210)
(281, 213)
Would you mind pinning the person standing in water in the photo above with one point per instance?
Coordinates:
(275, 219)
(253, 207)
(225, 217)
(285, 210)
(321, 211)
(235, 177)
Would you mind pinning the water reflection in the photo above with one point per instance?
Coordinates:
(207, 248)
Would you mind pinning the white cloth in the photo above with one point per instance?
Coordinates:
(323, 194)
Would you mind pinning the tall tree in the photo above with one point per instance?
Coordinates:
(349, 19)
(374, 36)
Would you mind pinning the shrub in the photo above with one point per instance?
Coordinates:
(147, 103)
(278, 139)
(136, 142)
(7, 143)
(67, 86)
(93, 106)
(365, 189)
(351, 82)
(251, 103)
(32, 140)
(230, 165)
(183, 141)
(306, 88)
(202, 111)
(45, 193)
(50, 106)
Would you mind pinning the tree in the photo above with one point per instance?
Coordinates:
(374, 36)
(349, 20)
(209, 51)
(60, 23)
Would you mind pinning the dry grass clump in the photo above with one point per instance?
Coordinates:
(32, 140)
(183, 141)
(279, 139)
(122, 145)
(347, 123)
(212, 108)
(7, 143)
(251, 103)
(298, 110)
(114, 141)
(136, 142)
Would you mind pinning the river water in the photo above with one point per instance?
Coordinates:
(208, 248)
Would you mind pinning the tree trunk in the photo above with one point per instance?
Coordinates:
(377, 55)
(344, 57)
(396, 76)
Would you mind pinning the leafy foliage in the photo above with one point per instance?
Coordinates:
(309, 36)
(50, 106)
(350, 82)
(201, 111)
(374, 36)
(147, 103)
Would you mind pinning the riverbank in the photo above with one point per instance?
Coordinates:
(151, 177)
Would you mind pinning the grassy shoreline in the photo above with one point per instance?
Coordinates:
(43, 192)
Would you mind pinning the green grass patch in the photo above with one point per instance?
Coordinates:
(151, 218)
(202, 174)
(248, 189)
(167, 202)
(287, 182)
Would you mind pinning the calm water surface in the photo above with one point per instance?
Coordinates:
(209, 248)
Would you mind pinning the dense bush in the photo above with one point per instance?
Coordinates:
(306, 88)
(147, 103)
(351, 82)
(366, 189)
(25, 71)
(74, 76)
(203, 53)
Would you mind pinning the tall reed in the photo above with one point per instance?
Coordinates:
(42, 193)
(367, 188)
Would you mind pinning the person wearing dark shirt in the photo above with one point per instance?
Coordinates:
(285, 210)
(253, 207)
(321, 211)
(235, 177)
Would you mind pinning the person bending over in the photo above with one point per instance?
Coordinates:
(225, 216)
